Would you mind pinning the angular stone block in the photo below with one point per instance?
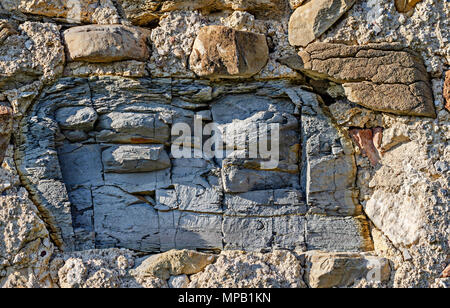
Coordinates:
(341, 270)
(95, 43)
(337, 234)
(383, 77)
(76, 118)
(265, 203)
(124, 220)
(135, 158)
(222, 52)
(81, 164)
(312, 19)
(257, 233)
(127, 127)
(139, 182)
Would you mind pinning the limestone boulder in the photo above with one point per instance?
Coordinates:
(106, 43)
(383, 77)
(329, 270)
(222, 52)
(312, 19)
(174, 263)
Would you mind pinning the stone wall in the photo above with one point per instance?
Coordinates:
(91, 92)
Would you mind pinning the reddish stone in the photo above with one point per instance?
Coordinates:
(446, 272)
(369, 141)
(5, 129)
(447, 90)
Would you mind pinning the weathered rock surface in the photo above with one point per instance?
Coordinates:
(382, 77)
(106, 43)
(330, 270)
(174, 263)
(122, 183)
(143, 12)
(313, 199)
(123, 159)
(34, 52)
(76, 118)
(280, 269)
(109, 268)
(221, 52)
(128, 127)
(312, 19)
(78, 11)
(25, 248)
(131, 68)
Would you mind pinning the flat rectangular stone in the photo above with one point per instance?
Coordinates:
(135, 158)
(81, 164)
(123, 220)
(337, 234)
(127, 127)
(106, 43)
(139, 182)
(265, 203)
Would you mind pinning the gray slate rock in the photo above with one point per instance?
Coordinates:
(135, 158)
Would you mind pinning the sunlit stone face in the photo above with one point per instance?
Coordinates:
(101, 157)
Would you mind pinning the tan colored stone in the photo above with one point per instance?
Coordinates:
(447, 90)
(330, 270)
(222, 52)
(382, 77)
(404, 6)
(174, 263)
(99, 44)
(78, 11)
(312, 19)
